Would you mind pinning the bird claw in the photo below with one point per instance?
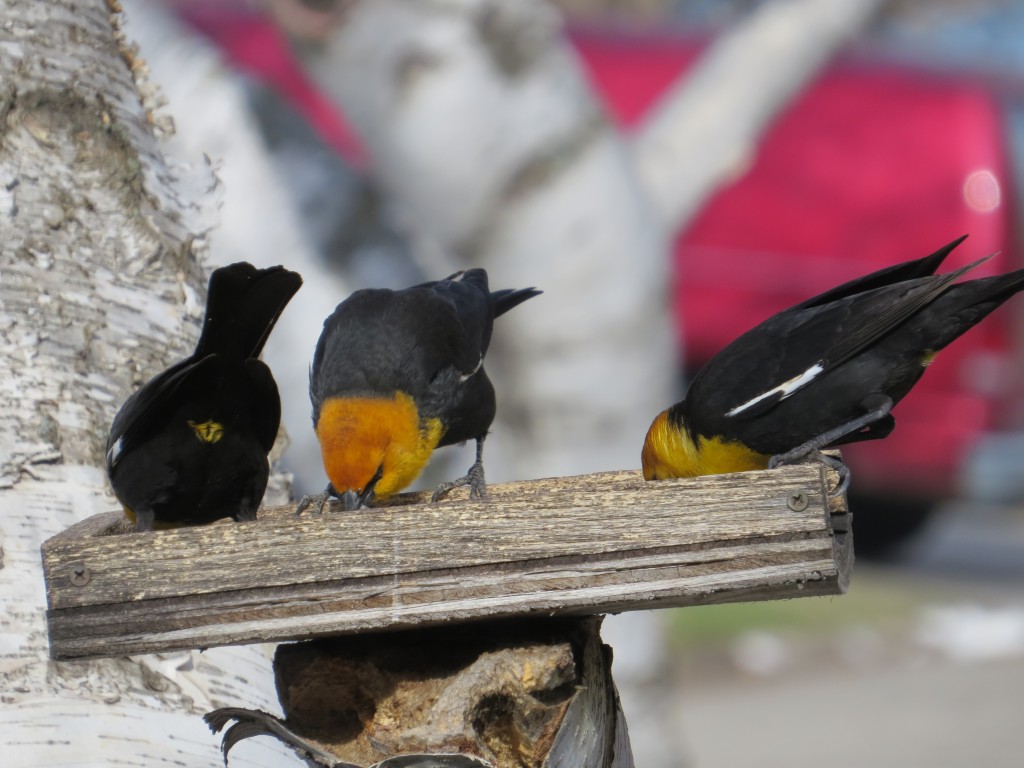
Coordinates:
(314, 500)
(474, 479)
(802, 454)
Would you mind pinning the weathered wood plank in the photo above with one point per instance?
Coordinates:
(589, 544)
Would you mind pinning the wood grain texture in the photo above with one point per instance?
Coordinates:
(575, 545)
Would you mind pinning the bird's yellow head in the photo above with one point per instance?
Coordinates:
(363, 437)
(671, 451)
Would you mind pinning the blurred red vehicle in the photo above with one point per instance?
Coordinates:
(871, 165)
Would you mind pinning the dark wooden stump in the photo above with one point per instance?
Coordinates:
(517, 694)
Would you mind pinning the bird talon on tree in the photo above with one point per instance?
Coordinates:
(477, 484)
(844, 477)
(475, 481)
(804, 454)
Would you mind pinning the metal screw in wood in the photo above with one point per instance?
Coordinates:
(797, 501)
(79, 575)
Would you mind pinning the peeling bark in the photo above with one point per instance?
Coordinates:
(100, 287)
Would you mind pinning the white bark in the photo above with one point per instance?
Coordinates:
(705, 130)
(99, 289)
(484, 132)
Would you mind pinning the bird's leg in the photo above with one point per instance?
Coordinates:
(879, 409)
(145, 520)
(826, 439)
(874, 431)
(474, 478)
(246, 511)
(316, 500)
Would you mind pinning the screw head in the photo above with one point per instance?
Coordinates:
(79, 575)
(797, 501)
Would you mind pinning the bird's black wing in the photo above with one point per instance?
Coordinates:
(463, 307)
(379, 341)
(146, 412)
(264, 402)
(793, 348)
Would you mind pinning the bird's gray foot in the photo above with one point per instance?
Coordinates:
(474, 478)
(808, 452)
(315, 501)
(145, 520)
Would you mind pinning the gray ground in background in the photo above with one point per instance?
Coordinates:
(944, 690)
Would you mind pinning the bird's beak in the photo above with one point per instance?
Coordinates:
(366, 497)
(351, 501)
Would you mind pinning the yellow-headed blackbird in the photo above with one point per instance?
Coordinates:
(397, 374)
(191, 445)
(823, 373)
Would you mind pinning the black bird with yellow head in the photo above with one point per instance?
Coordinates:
(820, 374)
(398, 373)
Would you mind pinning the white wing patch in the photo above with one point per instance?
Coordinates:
(466, 376)
(786, 388)
(114, 453)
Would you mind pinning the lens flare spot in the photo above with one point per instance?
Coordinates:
(981, 191)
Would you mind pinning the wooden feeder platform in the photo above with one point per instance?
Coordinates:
(600, 543)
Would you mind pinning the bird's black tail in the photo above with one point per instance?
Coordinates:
(242, 306)
(966, 304)
(987, 293)
(897, 273)
(509, 298)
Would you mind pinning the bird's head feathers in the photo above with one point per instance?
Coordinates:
(671, 450)
(362, 438)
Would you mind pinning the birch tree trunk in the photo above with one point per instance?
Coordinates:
(100, 287)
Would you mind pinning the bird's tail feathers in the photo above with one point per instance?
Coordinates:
(968, 303)
(928, 264)
(897, 273)
(509, 298)
(996, 289)
(242, 305)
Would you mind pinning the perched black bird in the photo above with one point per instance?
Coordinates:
(191, 445)
(397, 374)
(823, 373)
